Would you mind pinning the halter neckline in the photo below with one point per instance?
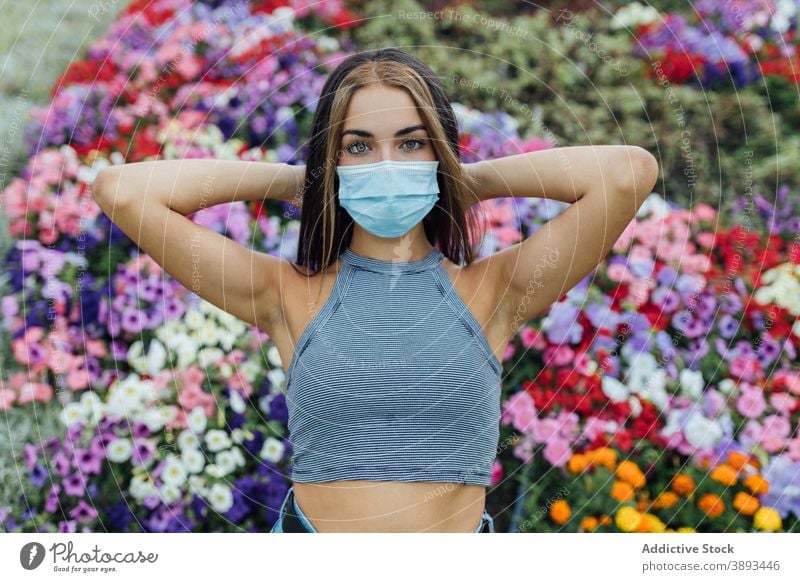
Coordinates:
(429, 261)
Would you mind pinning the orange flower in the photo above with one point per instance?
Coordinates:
(605, 519)
(604, 456)
(711, 504)
(665, 500)
(725, 474)
(651, 524)
(745, 504)
(560, 512)
(589, 523)
(683, 484)
(737, 459)
(629, 472)
(577, 463)
(757, 484)
(621, 491)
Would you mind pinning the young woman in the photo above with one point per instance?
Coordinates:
(392, 329)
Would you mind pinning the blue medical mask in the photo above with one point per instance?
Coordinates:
(388, 198)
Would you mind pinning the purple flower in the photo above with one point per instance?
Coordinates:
(70, 526)
(51, 503)
(30, 455)
(783, 476)
(61, 463)
(38, 475)
(83, 512)
(74, 485)
(88, 461)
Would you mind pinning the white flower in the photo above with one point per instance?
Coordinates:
(238, 457)
(142, 486)
(198, 484)
(726, 386)
(197, 419)
(170, 493)
(92, 406)
(119, 450)
(156, 418)
(692, 383)
(194, 319)
(173, 472)
(213, 470)
(220, 497)
(239, 434)
(136, 357)
(156, 357)
(225, 461)
(632, 15)
(250, 370)
(226, 370)
(187, 352)
(613, 388)
(274, 356)
(217, 440)
(209, 356)
(207, 334)
(237, 402)
(188, 440)
(636, 405)
(701, 432)
(272, 450)
(193, 460)
(71, 413)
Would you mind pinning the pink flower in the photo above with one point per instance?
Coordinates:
(751, 403)
(7, 398)
(557, 451)
(31, 391)
(593, 427)
(558, 356)
(497, 472)
(704, 212)
(776, 430)
(782, 402)
(520, 411)
(545, 430)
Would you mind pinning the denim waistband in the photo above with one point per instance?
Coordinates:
(295, 521)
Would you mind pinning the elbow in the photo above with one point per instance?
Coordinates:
(106, 189)
(641, 175)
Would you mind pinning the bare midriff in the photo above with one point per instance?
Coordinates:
(391, 506)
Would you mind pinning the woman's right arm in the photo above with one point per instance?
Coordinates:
(149, 202)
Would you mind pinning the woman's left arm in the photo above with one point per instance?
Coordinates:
(605, 184)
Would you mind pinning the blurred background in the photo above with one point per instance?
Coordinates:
(660, 395)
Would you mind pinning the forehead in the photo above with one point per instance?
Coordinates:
(375, 107)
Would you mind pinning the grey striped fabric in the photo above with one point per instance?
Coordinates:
(393, 380)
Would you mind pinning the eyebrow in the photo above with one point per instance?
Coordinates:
(398, 133)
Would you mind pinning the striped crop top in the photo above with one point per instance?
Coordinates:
(393, 380)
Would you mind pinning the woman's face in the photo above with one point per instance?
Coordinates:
(382, 123)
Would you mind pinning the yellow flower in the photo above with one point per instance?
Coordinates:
(767, 519)
(628, 519)
(686, 530)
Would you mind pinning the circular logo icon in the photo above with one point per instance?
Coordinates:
(31, 555)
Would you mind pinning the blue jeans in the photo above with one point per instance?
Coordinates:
(487, 521)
